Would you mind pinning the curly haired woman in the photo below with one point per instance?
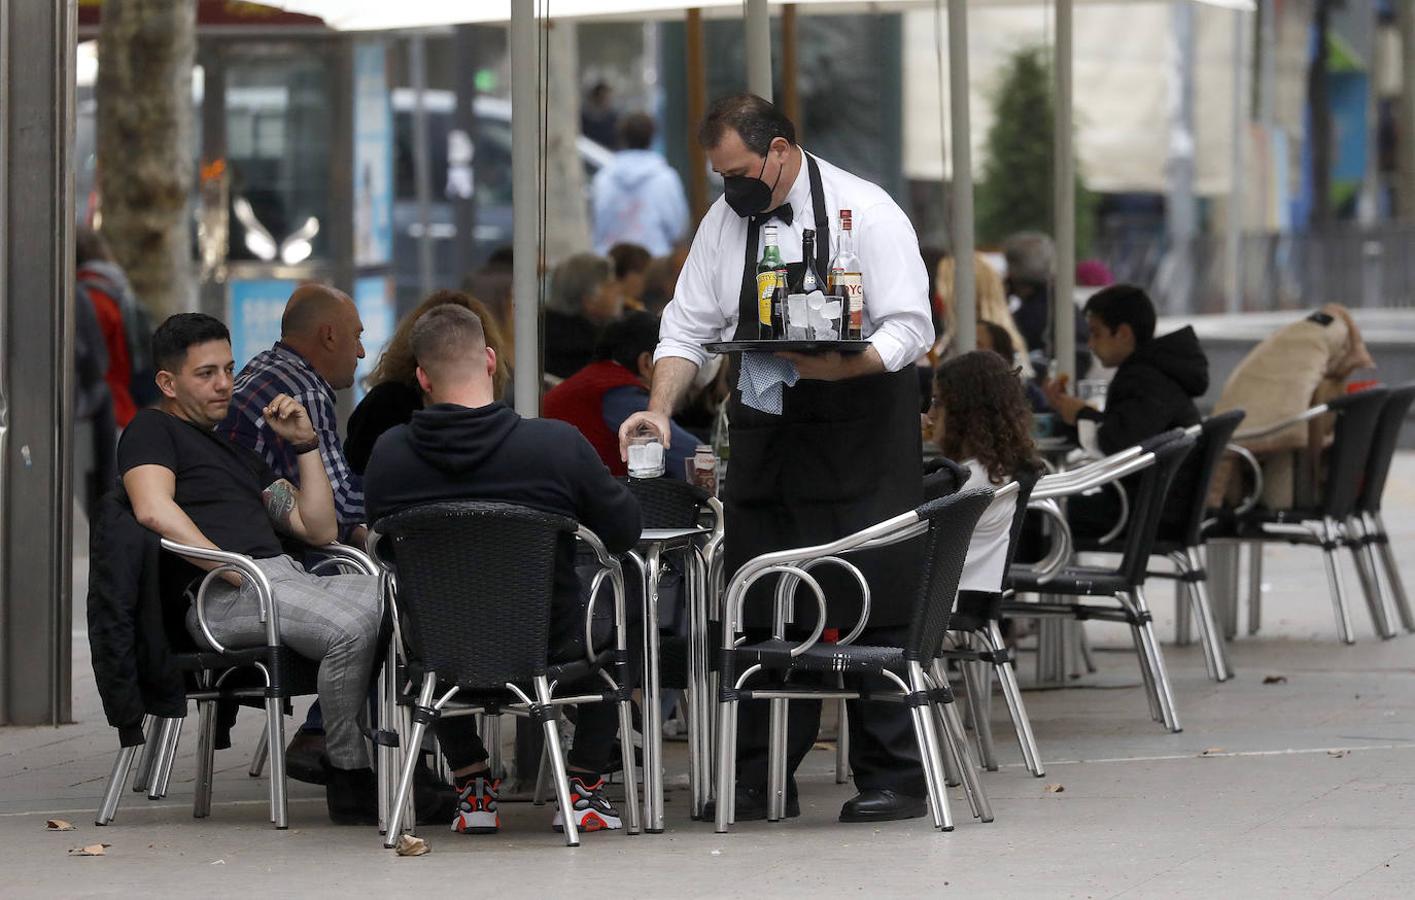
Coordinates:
(980, 418)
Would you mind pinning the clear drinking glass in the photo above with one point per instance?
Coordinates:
(646, 456)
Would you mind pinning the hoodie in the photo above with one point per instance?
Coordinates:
(638, 199)
(1153, 391)
(450, 452)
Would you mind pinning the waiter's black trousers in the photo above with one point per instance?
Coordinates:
(884, 754)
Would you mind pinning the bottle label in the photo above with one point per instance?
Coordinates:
(851, 286)
(766, 293)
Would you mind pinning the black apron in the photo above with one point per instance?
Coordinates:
(842, 456)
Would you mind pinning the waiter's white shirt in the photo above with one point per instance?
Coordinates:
(706, 302)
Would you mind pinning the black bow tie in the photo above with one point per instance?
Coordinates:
(782, 212)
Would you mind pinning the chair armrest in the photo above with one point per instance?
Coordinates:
(347, 556)
(1059, 552)
(610, 568)
(1250, 501)
(1054, 487)
(1269, 430)
(245, 567)
(1124, 519)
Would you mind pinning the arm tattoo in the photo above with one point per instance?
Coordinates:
(279, 500)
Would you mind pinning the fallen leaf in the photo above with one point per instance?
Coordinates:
(717, 853)
(90, 850)
(58, 825)
(1055, 788)
(1275, 679)
(1212, 751)
(412, 846)
(218, 862)
(1338, 754)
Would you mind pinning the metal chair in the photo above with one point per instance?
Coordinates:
(1322, 524)
(222, 674)
(450, 569)
(1366, 529)
(975, 630)
(1179, 541)
(1156, 460)
(945, 525)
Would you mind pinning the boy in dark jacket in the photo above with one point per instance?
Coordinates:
(466, 446)
(1156, 381)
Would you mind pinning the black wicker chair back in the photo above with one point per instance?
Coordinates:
(1203, 463)
(474, 588)
(1383, 446)
(1356, 418)
(951, 522)
(666, 502)
(1147, 502)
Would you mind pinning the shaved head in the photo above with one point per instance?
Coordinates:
(449, 344)
(310, 306)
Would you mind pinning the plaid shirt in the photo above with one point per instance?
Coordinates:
(280, 370)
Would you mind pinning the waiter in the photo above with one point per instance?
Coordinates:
(843, 452)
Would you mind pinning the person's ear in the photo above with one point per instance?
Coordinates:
(1125, 333)
(490, 362)
(423, 381)
(327, 336)
(645, 365)
(166, 383)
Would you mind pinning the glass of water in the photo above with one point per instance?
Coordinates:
(646, 456)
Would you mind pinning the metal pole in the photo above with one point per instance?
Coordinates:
(1406, 141)
(756, 20)
(1236, 199)
(1180, 207)
(790, 63)
(1267, 81)
(964, 302)
(525, 200)
(1063, 304)
(695, 61)
(422, 160)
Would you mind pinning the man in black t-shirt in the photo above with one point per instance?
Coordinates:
(191, 486)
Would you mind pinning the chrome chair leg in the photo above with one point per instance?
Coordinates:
(543, 775)
(776, 762)
(1164, 694)
(1365, 559)
(1397, 584)
(1255, 586)
(977, 709)
(1142, 657)
(1084, 643)
(1183, 633)
(929, 751)
(626, 749)
(206, 758)
(973, 788)
(258, 758)
(152, 728)
(401, 812)
(1334, 583)
(280, 805)
(557, 764)
(726, 764)
(491, 739)
(114, 789)
(842, 740)
(167, 754)
(1012, 694)
(1215, 654)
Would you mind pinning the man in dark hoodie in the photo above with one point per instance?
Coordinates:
(466, 446)
(1156, 381)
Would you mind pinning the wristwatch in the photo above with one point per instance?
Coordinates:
(305, 447)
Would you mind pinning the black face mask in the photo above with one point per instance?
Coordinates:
(748, 195)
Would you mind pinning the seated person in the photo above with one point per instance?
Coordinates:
(994, 337)
(980, 419)
(601, 396)
(584, 297)
(1156, 381)
(1300, 365)
(467, 446)
(394, 394)
(190, 485)
(631, 265)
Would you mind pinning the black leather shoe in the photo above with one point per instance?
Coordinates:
(751, 805)
(303, 758)
(351, 795)
(435, 800)
(882, 806)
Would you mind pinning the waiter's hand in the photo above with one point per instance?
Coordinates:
(639, 420)
(834, 366)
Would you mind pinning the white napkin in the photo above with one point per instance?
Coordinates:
(763, 379)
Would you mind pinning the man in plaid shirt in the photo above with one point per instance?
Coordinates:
(318, 351)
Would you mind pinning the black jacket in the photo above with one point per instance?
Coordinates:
(1154, 390)
(569, 343)
(385, 405)
(450, 452)
(128, 623)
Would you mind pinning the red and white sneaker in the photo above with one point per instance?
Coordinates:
(592, 810)
(476, 807)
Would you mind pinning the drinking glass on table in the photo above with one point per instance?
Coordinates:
(646, 456)
(1091, 391)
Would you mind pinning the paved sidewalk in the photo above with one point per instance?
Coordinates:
(1304, 787)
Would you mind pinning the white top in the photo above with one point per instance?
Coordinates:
(987, 552)
(706, 302)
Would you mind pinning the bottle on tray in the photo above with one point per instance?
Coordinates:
(771, 289)
(846, 281)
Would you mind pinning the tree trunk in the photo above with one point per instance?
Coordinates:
(144, 91)
(567, 226)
